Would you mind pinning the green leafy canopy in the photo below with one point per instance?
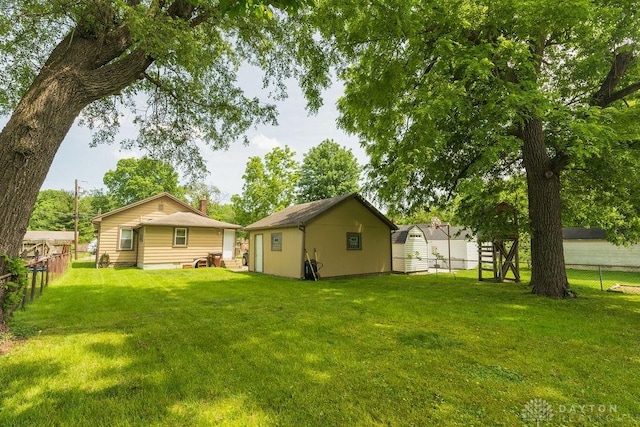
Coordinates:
(188, 96)
(440, 93)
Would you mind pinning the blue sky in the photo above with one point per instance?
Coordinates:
(298, 130)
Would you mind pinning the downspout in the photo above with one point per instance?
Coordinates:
(97, 254)
(304, 246)
(137, 243)
(391, 252)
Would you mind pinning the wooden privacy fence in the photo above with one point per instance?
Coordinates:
(40, 273)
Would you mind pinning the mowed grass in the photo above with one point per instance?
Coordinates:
(212, 347)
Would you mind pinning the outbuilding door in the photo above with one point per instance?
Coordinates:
(257, 245)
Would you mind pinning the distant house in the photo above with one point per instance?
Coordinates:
(419, 247)
(462, 243)
(45, 243)
(346, 235)
(410, 249)
(162, 232)
(589, 247)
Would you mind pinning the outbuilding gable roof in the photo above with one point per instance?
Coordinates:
(303, 214)
(147, 200)
(400, 235)
(440, 233)
(430, 233)
(188, 219)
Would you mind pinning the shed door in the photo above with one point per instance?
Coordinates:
(229, 244)
(258, 253)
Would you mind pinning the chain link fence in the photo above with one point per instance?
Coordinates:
(615, 278)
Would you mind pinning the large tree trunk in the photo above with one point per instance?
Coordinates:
(28, 144)
(548, 274)
(95, 60)
(79, 71)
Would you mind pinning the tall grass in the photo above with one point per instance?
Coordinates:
(212, 347)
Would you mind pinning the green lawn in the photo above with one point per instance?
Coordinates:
(211, 347)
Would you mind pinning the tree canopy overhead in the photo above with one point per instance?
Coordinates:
(172, 63)
(449, 97)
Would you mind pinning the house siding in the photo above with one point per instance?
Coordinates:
(286, 262)
(109, 228)
(398, 253)
(600, 252)
(159, 247)
(464, 254)
(326, 236)
(141, 244)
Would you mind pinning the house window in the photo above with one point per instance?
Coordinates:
(126, 239)
(354, 241)
(179, 237)
(415, 236)
(276, 241)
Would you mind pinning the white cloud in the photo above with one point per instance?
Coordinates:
(264, 143)
(119, 154)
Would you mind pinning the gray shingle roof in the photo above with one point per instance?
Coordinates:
(400, 236)
(456, 233)
(188, 219)
(300, 215)
(581, 233)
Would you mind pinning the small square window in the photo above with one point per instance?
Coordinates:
(354, 241)
(276, 241)
(126, 239)
(180, 237)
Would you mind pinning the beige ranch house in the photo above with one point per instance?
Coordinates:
(162, 232)
(345, 235)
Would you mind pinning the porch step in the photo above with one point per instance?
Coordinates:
(232, 264)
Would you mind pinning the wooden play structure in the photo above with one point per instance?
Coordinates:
(498, 254)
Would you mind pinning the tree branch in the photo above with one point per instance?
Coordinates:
(116, 43)
(622, 93)
(114, 77)
(461, 174)
(559, 162)
(607, 93)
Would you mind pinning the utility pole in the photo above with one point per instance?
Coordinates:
(75, 222)
(449, 243)
(437, 224)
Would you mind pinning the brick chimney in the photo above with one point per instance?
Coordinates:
(203, 206)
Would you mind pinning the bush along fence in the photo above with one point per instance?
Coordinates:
(25, 281)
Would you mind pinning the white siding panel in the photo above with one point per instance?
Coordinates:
(398, 254)
(600, 252)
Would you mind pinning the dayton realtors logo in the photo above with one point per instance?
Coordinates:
(539, 412)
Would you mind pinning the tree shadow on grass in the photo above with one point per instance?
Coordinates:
(213, 347)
